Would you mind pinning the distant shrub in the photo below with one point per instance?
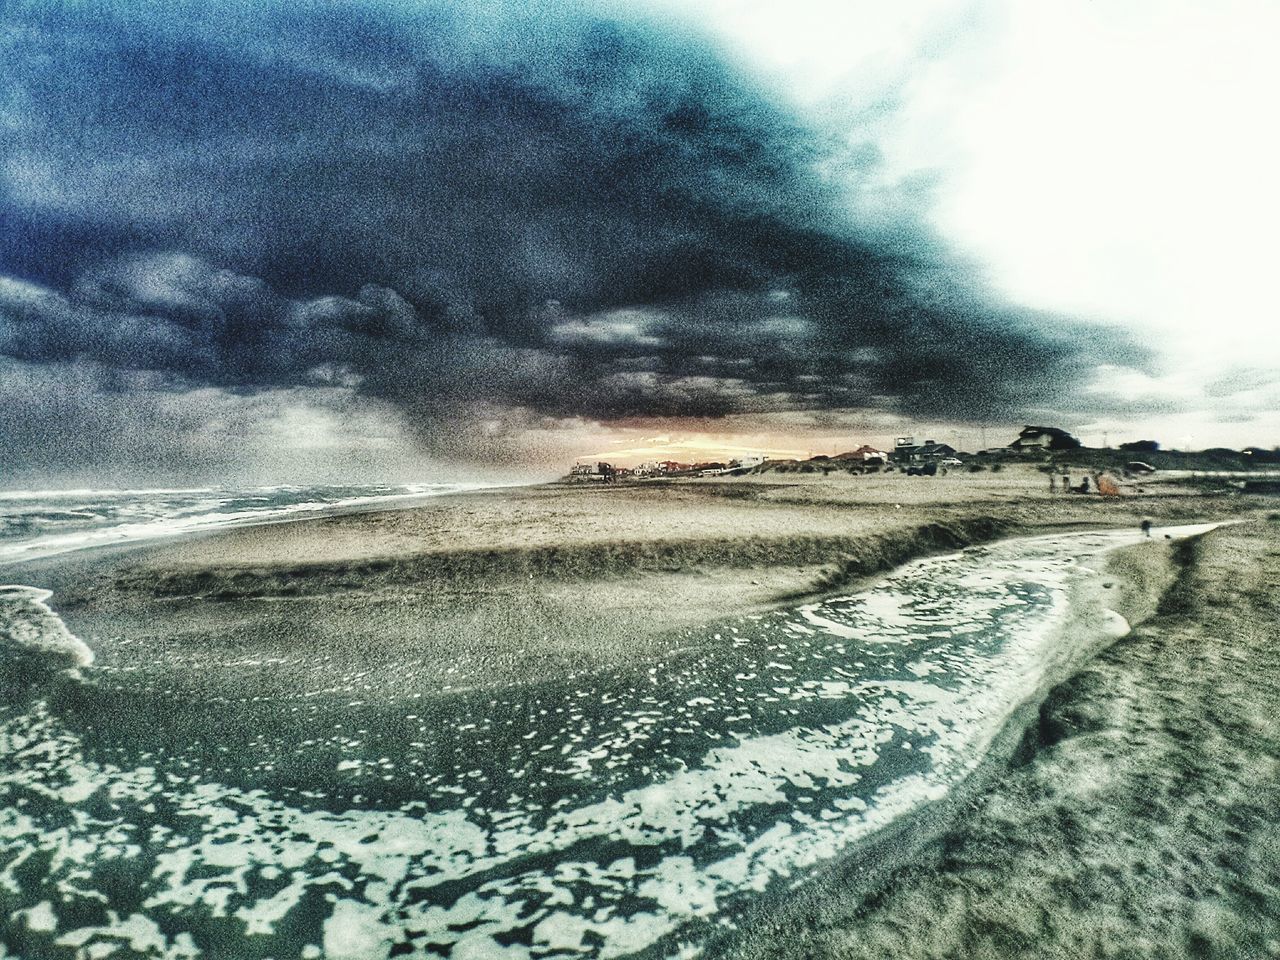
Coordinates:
(977, 467)
(997, 467)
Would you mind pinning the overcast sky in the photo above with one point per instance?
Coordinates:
(1110, 161)
(385, 240)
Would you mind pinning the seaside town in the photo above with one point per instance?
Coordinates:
(1102, 471)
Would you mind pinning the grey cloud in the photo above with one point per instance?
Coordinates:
(1241, 380)
(451, 209)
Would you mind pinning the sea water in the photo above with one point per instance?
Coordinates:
(646, 810)
(41, 523)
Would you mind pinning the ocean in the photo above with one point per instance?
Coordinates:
(41, 523)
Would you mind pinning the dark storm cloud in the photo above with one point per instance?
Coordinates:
(446, 205)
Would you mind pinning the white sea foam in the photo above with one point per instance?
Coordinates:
(32, 633)
(681, 849)
(97, 518)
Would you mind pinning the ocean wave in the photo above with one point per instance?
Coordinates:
(98, 493)
(35, 524)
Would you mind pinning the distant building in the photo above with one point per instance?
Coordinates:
(747, 462)
(865, 454)
(1044, 438)
(660, 468)
(906, 450)
(710, 468)
(930, 450)
(598, 471)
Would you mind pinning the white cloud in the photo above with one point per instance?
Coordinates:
(628, 326)
(1115, 162)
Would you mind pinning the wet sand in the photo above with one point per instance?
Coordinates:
(1138, 820)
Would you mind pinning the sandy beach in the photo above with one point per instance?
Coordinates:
(505, 584)
(332, 663)
(1138, 819)
(639, 481)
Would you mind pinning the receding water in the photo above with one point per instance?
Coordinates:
(597, 814)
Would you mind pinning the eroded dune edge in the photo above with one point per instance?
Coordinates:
(1137, 817)
(856, 555)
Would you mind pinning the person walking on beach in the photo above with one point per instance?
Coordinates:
(1066, 483)
(1146, 529)
(1053, 483)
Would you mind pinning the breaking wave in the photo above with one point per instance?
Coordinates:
(36, 524)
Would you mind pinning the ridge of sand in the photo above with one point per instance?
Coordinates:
(1143, 823)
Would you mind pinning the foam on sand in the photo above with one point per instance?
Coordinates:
(671, 799)
(32, 637)
(1141, 821)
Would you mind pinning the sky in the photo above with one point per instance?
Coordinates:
(283, 242)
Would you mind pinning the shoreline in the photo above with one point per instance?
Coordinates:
(105, 546)
(487, 588)
(261, 627)
(1060, 758)
(1015, 504)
